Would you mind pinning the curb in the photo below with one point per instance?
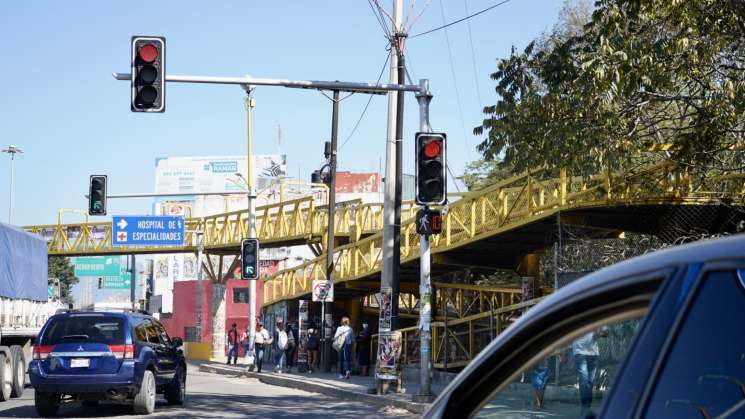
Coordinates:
(314, 387)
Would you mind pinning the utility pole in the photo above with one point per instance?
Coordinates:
(200, 255)
(326, 349)
(390, 265)
(425, 285)
(251, 212)
(12, 150)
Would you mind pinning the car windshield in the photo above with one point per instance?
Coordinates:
(84, 328)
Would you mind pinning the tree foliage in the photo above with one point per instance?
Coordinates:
(639, 73)
(63, 270)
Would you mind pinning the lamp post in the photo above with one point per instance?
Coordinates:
(12, 150)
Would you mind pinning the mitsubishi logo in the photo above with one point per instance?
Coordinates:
(80, 348)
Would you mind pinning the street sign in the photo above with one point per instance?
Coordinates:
(428, 222)
(97, 266)
(122, 281)
(323, 291)
(147, 230)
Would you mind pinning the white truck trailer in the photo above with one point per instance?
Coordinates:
(24, 304)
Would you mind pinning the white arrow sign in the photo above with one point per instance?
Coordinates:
(122, 224)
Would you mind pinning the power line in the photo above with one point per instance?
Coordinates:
(382, 70)
(455, 84)
(473, 58)
(460, 20)
(379, 19)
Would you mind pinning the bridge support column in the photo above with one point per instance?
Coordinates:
(218, 320)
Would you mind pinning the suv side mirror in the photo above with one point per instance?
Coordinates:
(177, 342)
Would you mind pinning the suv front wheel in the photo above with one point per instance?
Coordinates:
(144, 401)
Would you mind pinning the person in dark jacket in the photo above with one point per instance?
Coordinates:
(291, 346)
(363, 348)
(233, 344)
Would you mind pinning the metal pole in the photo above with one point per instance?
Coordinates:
(200, 255)
(251, 216)
(369, 88)
(425, 285)
(396, 278)
(132, 283)
(388, 263)
(331, 209)
(10, 206)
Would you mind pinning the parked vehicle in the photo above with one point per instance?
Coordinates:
(24, 304)
(659, 336)
(86, 356)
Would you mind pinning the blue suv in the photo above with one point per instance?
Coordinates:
(94, 356)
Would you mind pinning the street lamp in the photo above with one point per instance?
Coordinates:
(12, 150)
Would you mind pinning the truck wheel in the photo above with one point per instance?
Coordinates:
(19, 370)
(144, 402)
(46, 404)
(6, 377)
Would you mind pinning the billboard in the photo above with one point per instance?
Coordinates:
(187, 175)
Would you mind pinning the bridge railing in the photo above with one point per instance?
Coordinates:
(511, 203)
(455, 343)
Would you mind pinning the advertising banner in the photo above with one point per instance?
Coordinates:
(389, 352)
(384, 303)
(302, 324)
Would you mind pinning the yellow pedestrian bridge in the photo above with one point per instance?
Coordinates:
(489, 228)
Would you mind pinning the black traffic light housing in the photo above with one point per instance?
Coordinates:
(250, 258)
(148, 74)
(431, 168)
(100, 283)
(97, 195)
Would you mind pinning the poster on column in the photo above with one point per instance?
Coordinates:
(302, 354)
(389, 352)
(384, 302)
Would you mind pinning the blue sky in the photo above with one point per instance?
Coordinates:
(62, 107)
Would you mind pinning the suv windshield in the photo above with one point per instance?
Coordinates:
(96, 328)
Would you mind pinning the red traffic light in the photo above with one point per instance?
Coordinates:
(433, 149)
(148, 53)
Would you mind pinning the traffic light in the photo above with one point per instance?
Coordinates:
(431, 169)
(148, 83)
(100, 283)
(97, 195)
(250, 259)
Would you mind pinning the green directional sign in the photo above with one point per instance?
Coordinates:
(102, 266)
(122, 281)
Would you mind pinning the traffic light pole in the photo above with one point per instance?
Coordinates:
(424, 97)
(326, 346)
(251, 214)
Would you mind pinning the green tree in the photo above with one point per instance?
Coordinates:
(61, 269)
(640, 73)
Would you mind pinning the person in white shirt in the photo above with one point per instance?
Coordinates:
(261, 338)
(345, 353)
(586, 353)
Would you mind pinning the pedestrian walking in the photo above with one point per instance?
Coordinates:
(261, 339)
(281, 342)
(233, 344)
(343, 345)
(586, 352)
(312, 346)
(246, 343)
(291, 346)
(363, 348)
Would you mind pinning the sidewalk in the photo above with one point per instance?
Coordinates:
(356, 388)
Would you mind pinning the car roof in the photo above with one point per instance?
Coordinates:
(702, 251)
(628, 272)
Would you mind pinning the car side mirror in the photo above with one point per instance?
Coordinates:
(177, 342)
